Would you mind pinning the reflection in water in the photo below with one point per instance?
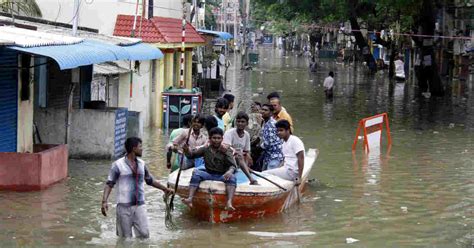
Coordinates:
(429, 171)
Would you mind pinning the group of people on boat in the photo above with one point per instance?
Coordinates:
(259, 141)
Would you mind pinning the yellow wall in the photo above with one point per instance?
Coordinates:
(168, 70)
(25, 116)
(188, 59)
(178, 68)
(157, 109)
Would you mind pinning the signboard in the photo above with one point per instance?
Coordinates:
(121, 116)
(267, 39)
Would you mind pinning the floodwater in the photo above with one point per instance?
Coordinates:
(418, 194)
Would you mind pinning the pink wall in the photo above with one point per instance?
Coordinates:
(33, 171)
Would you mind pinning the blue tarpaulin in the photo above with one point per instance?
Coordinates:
(92, 52)
(222, 35)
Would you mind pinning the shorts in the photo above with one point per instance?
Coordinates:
(202, 175)
(283, 172)
(129, 217)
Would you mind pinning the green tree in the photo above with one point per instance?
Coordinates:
(400, 15)
(21, 7)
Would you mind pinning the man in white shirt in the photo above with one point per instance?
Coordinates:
(293, 151)
(239, 140)
(329, 84)
(399, 69)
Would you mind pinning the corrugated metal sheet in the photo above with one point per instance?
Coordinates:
(92, 52)
(222, 35)
(109, 69)
(143, 51)
(8, 100)
(30, 38)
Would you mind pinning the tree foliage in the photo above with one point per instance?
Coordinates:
(23, 7)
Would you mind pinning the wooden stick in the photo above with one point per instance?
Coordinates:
(179, 171)
(272, 182)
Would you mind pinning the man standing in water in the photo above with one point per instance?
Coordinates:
(293, 150)
(329, 84)
(130, 174)
(219, 163)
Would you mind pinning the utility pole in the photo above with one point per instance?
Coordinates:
(235, 21)
(245, 16)
(75, 17)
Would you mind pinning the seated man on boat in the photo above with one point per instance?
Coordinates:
(221, 107)
(239, 140)
(219, 163)
(195, 140)
(293, 151)
(271, 143)
(169, 147)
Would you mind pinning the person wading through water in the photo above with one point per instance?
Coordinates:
(130, 175)
(329, 85)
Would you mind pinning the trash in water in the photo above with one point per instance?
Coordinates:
(351, 240)
(435, 132)
(296, 80)
(71, 237)
(261, 72)
(255, 94)
(404, 209)
(337, 200)
(451, 125)
(259, 89)
(311, 80)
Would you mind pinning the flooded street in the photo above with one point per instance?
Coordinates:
(420, 194)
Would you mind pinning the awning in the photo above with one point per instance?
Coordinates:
(142, 51)
(109, 68)
(222, 35)
(92, 52)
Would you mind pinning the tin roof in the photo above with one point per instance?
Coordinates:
(109, 68)
(30, 38)
(156, 30)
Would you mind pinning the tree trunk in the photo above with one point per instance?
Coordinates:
(428, 75)
(362, 44)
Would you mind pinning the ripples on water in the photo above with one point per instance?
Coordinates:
(419, 194)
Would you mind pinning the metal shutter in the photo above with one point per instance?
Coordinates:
(8, 100)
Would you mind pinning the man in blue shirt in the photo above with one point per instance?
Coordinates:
(271, 143)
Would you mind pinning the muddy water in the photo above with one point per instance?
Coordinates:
(418, 194)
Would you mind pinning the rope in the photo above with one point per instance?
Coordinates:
(169, 223)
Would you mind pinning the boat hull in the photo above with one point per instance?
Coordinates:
(250, 201)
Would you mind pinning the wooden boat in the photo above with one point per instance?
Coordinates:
(250, 201)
